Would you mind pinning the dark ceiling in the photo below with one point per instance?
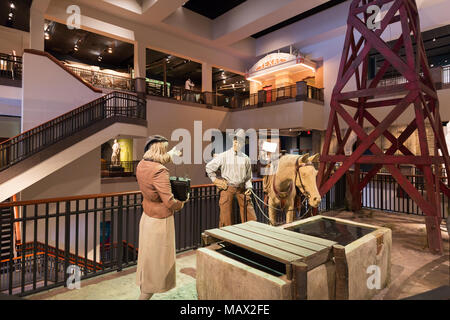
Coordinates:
(212, 8)
(180, 69)
(90, 45)
(299, 17)
(20, 14)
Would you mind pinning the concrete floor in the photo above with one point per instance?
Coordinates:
(414, 268)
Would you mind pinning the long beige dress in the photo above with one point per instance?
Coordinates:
(156, 256)
(156, 259)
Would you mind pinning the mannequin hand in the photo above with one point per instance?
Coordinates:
(248, 192)
(187, 199)
(221, 184)
(174, 152)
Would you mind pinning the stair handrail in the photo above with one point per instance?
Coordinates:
(46, 134)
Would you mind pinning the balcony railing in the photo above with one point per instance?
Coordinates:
(103, 80)
(97, 234)
(122, 169)
(238, 101)
(10, 67)
(115, 104)
(401, 79)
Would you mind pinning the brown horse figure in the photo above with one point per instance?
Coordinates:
(293, 172)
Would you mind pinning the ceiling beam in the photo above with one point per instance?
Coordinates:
(253, 16)
(158, 10)
(40, 5)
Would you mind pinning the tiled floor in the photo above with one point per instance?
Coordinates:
(414, 268)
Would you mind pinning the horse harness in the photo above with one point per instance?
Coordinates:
(282, 196)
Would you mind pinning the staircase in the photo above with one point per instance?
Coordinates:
(27, 158)
(5, 232)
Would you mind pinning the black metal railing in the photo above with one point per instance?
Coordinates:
(10, 66)
(32, 141)
(174, 92)
(97, 234)
(390, 81)
(126, 169)
(103, 79)
(232, 101)
(384, 193)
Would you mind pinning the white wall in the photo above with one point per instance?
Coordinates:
(295, 114)
(49, 91)
(114, 185)
(164, 117)
(10, 101)
(79, 177)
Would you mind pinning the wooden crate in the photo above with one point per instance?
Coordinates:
(300, 253)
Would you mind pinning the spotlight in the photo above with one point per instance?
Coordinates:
(110, 50)
(47, 36)
(11, 14)
(12, 5)
(100, 58)
(75, 48)
(434, 39)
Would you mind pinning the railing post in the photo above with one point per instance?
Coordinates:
(261, 98)
(120, 234)
(66, 241)
(302, 91)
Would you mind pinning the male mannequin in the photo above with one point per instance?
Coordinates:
(189, 85)
(236, 180)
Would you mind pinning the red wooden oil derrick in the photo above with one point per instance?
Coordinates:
(418, 92)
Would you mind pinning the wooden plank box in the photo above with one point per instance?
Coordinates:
(257, 261)
(260, 262)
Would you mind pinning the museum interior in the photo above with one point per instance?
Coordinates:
(355, 92)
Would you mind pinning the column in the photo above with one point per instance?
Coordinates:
(140, 61)
(207, 84)
(37, 41)
(206, 77)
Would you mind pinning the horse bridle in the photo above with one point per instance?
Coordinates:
(298, 165)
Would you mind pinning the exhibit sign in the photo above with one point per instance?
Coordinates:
(278, 61)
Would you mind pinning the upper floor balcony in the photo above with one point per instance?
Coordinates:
(10, 70)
